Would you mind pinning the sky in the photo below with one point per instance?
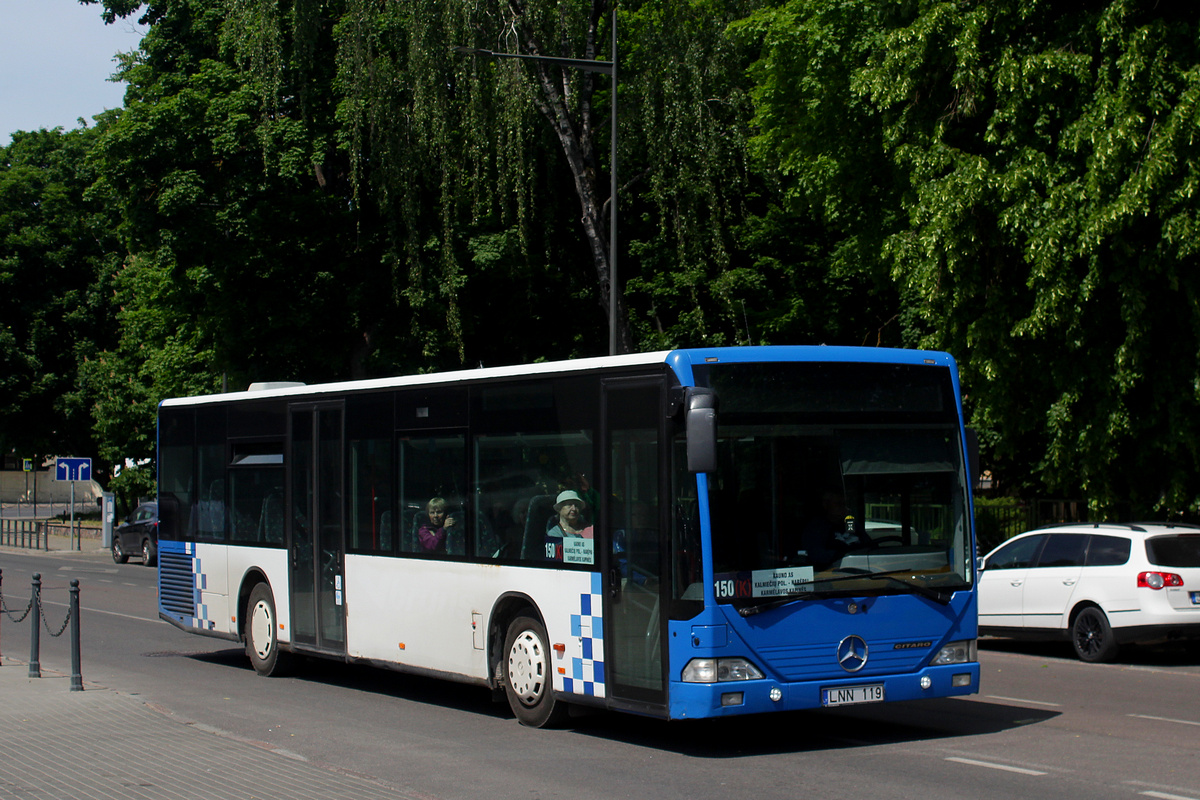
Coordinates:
(55, 60)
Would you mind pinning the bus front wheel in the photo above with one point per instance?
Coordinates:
(262, 640)
(527, 681)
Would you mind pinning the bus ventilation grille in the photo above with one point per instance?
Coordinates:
(177, 584)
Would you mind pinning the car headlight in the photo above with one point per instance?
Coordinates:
(962, 652)
(720, 670)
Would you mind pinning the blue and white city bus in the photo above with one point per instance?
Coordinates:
(683, 534)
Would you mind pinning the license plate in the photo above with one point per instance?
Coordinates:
(852, 695)
(1196, 598)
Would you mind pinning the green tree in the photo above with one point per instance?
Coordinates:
(56, 251)
(469, 182)
(1037, 174)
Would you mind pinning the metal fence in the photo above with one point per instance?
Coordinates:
(46, 510)
(34, 534)
(30, 533)
(995, 523)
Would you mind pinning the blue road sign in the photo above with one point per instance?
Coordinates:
(73, 469)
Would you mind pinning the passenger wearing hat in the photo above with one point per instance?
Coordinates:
(570, 526)
(570, 507)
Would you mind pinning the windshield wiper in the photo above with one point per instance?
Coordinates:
(751, 607)
(756, 605)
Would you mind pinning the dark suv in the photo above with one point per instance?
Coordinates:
(137, 534)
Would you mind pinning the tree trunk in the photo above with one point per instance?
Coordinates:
(575, 134)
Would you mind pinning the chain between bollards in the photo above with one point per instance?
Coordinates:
(37, 615)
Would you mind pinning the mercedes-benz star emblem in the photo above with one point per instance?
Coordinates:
(852, 653)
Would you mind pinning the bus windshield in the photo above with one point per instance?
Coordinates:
(836, 479)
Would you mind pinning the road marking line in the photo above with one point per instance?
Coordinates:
(101, 611)
(1165, 796)
(1164, 719)
(990, 765)
(1022, 700)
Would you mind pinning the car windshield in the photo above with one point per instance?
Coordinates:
(1177, 550)
(852, 495)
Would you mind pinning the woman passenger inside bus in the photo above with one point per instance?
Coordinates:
(433, 532)
(571, 523)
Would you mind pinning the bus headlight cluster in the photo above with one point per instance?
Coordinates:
(962, 652)
(720, 670)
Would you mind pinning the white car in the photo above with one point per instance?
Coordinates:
(1098, 585)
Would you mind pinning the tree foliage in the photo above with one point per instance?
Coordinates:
(316, 190)
(56, 250)
(1037, 172)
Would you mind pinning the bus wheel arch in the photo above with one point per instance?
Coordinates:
(520, 653)
(260, 628)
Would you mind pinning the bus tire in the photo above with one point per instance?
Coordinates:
(527, 675)
(262, 628)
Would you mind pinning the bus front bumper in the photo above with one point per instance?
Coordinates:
(703, 700)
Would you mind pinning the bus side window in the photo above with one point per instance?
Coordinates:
(432, 470)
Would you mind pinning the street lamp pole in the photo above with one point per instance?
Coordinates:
(612, 204)
(605, 68)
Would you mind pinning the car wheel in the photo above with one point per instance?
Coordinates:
(149, 553)
(527, 669)
(1093, 636)
(118, 552)
(262, 640)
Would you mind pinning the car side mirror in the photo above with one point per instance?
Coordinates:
(980, 563)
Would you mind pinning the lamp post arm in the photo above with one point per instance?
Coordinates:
(581, 64)
(576, 139)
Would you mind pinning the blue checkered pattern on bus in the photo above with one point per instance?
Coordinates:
(181, 583)
(586, 673)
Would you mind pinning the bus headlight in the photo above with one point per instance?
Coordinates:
(720, 670)
(962, 652)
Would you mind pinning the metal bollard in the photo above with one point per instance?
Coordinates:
(35, 614)
(76, 672)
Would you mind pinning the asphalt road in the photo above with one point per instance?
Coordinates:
(1044, 725)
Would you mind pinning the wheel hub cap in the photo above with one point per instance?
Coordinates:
(527, 668)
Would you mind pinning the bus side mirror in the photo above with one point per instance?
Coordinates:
(701, 420)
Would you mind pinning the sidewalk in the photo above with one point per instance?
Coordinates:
(98, 743)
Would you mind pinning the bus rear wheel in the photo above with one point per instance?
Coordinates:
(527, 670)
(262, 640)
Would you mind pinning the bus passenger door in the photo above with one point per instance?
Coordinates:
(315, 533)
(634, 652)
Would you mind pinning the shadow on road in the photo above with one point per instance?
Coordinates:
(734, 737)
(1165, 654)
(371, 680)
(818, 730)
